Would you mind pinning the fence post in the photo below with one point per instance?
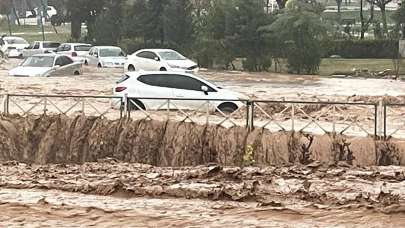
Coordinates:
(292, 117)
(126, 105)
(6, 104)
(385, 121)
(45, 105)
(250, 115)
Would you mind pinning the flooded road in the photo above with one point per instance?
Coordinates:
(49, 208)
(133, 195)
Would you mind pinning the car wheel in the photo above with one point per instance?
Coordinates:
(131, 68)
(228, 107)
(86, 63)
(76, 73)
(99, 65)
(132, 106)
(163, 69)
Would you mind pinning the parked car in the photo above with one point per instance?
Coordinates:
(13, 46)
(160, 60)
(47, 65)
(50, 11)
(159, 84)
(77, 51)
(106, 56)
(40, 47)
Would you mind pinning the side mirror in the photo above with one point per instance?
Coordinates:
(96, 55)
(157, 59)
(204, 89)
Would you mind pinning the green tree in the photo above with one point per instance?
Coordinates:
(178, 24)
(382, 4)
(300, 28)
(109, 24)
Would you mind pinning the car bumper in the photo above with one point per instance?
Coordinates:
(114, 65)
(195, 70)
(79, 59)
(13, 53)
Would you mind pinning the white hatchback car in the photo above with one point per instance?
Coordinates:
(106, 56)
(13, 46)
(160, 60)
(76, 51)
(177, 86)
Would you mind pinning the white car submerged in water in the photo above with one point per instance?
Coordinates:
(106, 56)
(174, 85)
(45, 65)
(160, 60)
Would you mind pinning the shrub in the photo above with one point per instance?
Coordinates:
(361, 48)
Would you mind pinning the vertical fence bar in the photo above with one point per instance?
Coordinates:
(375, 121)
(168, 109)
(334, 120)
(292, 117)
(247, 114)
(208, 113)
(252, 115)
(385, 121)
(126, 110)
(83, 105)
(6, 104)
(121, 108)
(45, 105)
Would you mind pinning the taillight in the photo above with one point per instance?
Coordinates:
(74, 54)
(120, 89)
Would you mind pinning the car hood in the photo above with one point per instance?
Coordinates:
(229, 94)
(181, 63)
(113, 59)
(29, 71)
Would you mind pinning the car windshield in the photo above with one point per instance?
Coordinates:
(51, 45)
(39, 61)
(15, 41)
(171, 55)
(82, 48)
(111, 52)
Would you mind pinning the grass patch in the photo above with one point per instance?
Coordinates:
(333, 66)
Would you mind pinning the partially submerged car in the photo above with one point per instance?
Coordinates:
(106, 56)
(12, 46)
(178, 86)
(45, 65)
(40, 47)
(160, 60)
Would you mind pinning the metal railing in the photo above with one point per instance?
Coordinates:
(380, 120)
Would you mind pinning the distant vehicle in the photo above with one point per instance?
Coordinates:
(40, 47)
(106, 56)
(159, 84)
(45, 65)
(77, 51)
(159, 60)
(13, 47)
(50, 11)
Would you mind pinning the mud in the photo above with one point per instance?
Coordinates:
(59, 139)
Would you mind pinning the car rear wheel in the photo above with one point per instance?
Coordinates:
(133, 107)
(76, 73)
(163, 69)
(131, 68)
(99, 65)
(228, 107)
(86, 63)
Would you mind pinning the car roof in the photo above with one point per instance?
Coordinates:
(77, 44)
(157, 50)
(13, 37)
(105, 47)
(47, 41)
(49, 54)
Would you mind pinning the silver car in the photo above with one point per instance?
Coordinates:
(106, 56)
(45, 65)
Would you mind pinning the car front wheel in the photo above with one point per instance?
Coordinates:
(228, 107)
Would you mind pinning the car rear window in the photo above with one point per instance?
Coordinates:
(82, 48)
(51, 45)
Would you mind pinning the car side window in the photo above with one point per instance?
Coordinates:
(59, 61)
(147, 55)
(65, 60)
(67, 47)
(36, 45)
(91, 52)
(60, 48)
(174, 82)
(187, 83)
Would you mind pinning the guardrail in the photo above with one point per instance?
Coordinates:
(379, 120)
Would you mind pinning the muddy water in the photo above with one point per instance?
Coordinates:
(110, 193)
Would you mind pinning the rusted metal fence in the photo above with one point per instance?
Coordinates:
(379, 120)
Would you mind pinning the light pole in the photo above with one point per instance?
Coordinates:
(44, 4)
